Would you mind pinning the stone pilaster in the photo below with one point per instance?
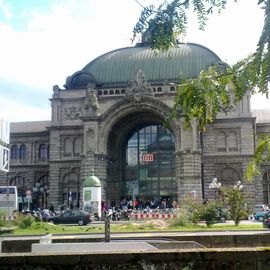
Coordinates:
(189, 174)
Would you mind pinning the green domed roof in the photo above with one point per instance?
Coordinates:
(91, 181)
(118, 67)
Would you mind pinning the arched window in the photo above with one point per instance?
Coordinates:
(43, 151)
(22, 154)
(77, 146)
(71, 189)
(229, 177)
(266, 187)
(41, 191)
(68, 147)
(14, 152)
(17, 181)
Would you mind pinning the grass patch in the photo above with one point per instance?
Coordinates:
(42, 228)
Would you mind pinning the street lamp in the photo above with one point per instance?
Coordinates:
(44, 191)
(215, 185)
(238, 186)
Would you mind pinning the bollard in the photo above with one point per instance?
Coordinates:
(107, 229)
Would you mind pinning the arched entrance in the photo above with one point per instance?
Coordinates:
(141, 155)
(149, 164)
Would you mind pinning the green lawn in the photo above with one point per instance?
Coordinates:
(38, 228)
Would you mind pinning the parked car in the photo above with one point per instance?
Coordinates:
(261, 216)
(260, 208)
(71, 217)
(266, 222)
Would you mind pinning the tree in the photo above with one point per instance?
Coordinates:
(234, 200)
(203, 97)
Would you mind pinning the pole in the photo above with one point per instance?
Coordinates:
(107, 228)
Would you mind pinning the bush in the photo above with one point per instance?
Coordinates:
(183, 217)
(213, 212)
(23, 221)
(192, 207)
(3, 222)
(235, 201)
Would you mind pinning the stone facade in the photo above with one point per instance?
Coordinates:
(89, 126)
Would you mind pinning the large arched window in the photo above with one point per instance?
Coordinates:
(229, 177)
(149, 167)
(41, 191)
(71, 189)
(14, 152)
(17, 181)
(266, 187)
(22, 154)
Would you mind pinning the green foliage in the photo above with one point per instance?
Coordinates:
(216, 89)
(262, 155)
(192, 207)
(183, 217)
(23, 221)
(169, 20)
(234, 200)
(3, 222)
(212, 212)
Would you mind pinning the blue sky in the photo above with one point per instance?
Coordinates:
(44, 41)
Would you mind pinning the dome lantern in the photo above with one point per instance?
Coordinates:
(92, 181)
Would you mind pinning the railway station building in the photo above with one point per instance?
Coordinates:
(110, 116)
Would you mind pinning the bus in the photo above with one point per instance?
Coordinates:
(8, 200)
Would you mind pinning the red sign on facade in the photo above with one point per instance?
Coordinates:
(148, 158)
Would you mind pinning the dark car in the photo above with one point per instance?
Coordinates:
(261, 216)
(71, 217)
(266, 222)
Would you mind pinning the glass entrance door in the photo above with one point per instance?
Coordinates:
(149, 168)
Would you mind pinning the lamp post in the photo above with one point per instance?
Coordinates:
(215, 185)
(39, 189)
(238, 186)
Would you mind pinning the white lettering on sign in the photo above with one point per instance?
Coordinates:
(4, 159)
(148, 158)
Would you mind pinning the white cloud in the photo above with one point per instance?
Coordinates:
(62, 39)
(15, 111)
(260, 101)
(5, 10)
(58, 43)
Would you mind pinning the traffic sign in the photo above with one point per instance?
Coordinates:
(148, 158)
(4, 159)
(4, 131)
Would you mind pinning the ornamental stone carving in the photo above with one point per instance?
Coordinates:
(91, 102)
(72, 113)
(140, 87)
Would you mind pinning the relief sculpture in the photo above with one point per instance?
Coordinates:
(140, 87)
(72, 113)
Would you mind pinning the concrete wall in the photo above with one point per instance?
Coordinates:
(240, 259)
